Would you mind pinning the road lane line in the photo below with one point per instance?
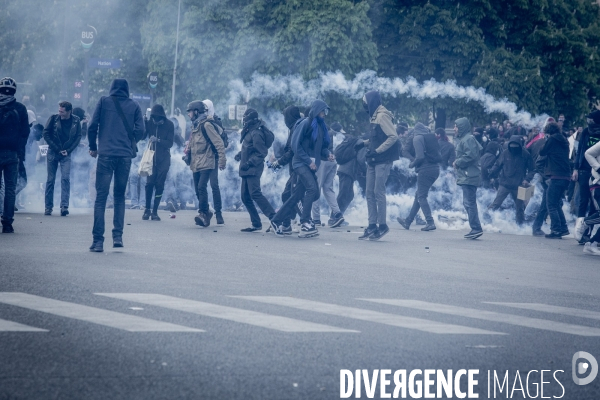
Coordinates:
(283, 324)
(572, 312)
(10, 326)
(131, 323)
(370, 316)
(492, 316)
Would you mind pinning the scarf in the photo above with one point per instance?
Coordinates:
(316, 122)
(6, 99)
(537, 137)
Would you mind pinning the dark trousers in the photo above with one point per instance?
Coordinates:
(425, 180)
(346, 192)
(502, 194)
(22, 177)
(554, 199)
(470, 204)
(155, 184)
(52, 161)
(596, 196)
(306, 190)
(543, 211)
(9, 170)
(201, 179)
(105, 169)
(585, 199)
(287, 193)
(251, 194)
(214, 185)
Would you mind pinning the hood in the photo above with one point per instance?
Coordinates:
(373, 100)
(119, 88)
(316, 107)
(463, 125)
(158, 111)
(515, 139)
(290, 115)
(210, 107)
(421, 129)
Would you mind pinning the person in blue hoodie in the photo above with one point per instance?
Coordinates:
(310, 144)
(116, 127)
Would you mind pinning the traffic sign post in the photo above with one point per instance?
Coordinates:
(88, 35)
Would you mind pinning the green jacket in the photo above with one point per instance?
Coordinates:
(468, 151)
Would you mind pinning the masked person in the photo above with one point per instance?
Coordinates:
(514, 168)
(214, 176)
(310, 144)
(160, 133)
(382, 151)
(203, 149)
(468, 173)
(582, 171)
(427, 165)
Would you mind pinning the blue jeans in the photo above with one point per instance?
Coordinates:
(305, 189)
(554, 199)
(470, 203)
(543, 210)
(137, 189)
(52, 161)
(9, 170)
(105, 169)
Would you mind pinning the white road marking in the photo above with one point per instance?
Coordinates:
(573, 312)
(10, 326)
(370, 316)
(283, 324)
(99, 316)
(493, 316)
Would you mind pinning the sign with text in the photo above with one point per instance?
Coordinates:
(231, 112)
(141, 97)
(240, 110)
(105, 63)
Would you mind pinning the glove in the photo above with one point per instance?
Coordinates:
(245, 167)
(359, 145)
(238, 156)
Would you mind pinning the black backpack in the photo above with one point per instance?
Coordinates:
(269, 136)
(9, 118)
(217, 122)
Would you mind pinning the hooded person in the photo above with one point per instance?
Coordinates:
(382, 151)
(206, 152)
(514, 168)
(582, 171)
(310, 144)
(117, 125)
(256, 139)
(468, 173)
(491, 153)
(160, 133)
(348, 168)
(447, 150)
(427, 165)
(592, 156)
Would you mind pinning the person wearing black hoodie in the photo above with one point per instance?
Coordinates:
(160, 133)
(14, 131)
(556, 150)
(427, 165)
(582, 170)
(348, 170)
(447, 150)
(515, 168)
(118, 125)
(382, 151)
(256, 140)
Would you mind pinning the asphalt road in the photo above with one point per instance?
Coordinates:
(183, 312)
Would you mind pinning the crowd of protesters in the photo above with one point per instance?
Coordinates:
(133, 154)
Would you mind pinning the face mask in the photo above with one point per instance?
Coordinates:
(514, 149)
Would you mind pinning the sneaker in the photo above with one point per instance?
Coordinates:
(317, 222)
(287, 230)
(146, 215)
(554, 235)
(429, 227)
(308, 230)
(7, 227)
(154, 217)
(64, 212)
(474, 234)
(565, 233)
(538, 232)
(591, 248)
(117, 242)
(419, 220)
(220, 220)
(367, 233)
(592, 219)
(405, 224)
(251, 229)
(587, 235)
(171, 206)
(336, 220)
(97, 247)
(48, 211)
(380, 232)
(200, 219)
(276, 229)
(208, 216)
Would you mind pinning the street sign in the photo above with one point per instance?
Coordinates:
(105, 63)
(153, 80)
(240, 110)
(88, 34)
(141, 97)
(232, 112)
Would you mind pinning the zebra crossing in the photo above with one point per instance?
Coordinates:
(281, 323)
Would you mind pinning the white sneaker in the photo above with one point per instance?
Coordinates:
(591, 248)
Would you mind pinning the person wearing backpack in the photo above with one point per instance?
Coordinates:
(14, 131)
(214, 176)
(346, 158)
(117, 125)
(256, 140)
(204, 147)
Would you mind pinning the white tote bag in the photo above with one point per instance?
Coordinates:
(145, 168)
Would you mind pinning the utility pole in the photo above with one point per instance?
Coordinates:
(63, 86)
(175, 66)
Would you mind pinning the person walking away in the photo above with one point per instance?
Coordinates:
(447, 150)
(348, 170)
(204, 147)
(256, 139)
(582, 170)
(160, 133)
(14, 131)
(63, 134)
(382, 151)
(556, 150)
(427, 165)
(468, 173)
(214, 176)
(116, 127)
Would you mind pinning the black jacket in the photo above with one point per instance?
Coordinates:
(345, 156)
(447, 152)
(255, 147)
(291, 116)
(15, 131)
(52, 134)
(164, 132)
(589, 137)
(556, 150)
(513, 168)
(427, 149)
